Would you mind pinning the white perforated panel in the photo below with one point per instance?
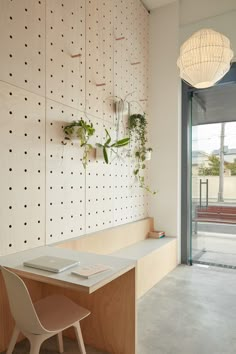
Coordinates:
(131, 80)
(122, 74)
(130, 201)
(65, 177)
(65, 52)
(131, 54)
(99, 185)
(22, 187)
(22, 38)
(62, 60)
(144, 68)
(99, 58)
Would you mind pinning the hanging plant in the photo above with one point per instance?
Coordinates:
(138, 130)
(83, 131)
(111, 146)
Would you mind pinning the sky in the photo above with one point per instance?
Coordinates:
(207, 137)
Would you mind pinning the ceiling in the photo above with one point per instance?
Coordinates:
(153, 4)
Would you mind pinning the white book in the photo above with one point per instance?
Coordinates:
(90, 270)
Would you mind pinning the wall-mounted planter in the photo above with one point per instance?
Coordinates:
(148, 156)
(122, 107)
(83, 131)
(92, 154)
(99, 153)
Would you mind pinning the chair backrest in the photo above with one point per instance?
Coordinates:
(21, 305)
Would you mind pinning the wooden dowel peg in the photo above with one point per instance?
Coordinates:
(136, 63)
(103, 84)
(120, 38)
(76, 56)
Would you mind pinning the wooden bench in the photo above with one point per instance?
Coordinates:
(215, 214)
(155, 257)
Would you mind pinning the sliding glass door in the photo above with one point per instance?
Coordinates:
(213, 176)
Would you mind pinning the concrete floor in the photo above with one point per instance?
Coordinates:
(191, 311)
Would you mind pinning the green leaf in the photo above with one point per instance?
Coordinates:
(105, 155)
(99, 145)
(90, 131)
(109, 138)
(122, 142)
(108, 142)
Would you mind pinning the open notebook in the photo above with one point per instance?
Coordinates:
(90, 270)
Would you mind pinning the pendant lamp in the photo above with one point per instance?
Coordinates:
(204, 58)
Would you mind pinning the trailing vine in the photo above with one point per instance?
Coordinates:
(138, 130)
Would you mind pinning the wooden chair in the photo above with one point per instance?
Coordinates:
(44, 319)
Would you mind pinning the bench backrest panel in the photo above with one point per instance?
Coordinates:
(113, 239)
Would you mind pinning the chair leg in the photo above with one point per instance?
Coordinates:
(60, 342)
(35, 344)
(13, 340)
(79, 337)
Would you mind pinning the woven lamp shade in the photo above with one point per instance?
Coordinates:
(205, 58)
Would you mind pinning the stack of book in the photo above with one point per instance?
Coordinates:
(156, 234)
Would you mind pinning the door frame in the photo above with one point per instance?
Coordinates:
(186, 168)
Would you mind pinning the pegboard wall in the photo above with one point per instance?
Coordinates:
(62, 61)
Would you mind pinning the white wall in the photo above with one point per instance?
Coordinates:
(216, 14)
(192, 11)
(165, 120)
(224, 24)
(169, 26)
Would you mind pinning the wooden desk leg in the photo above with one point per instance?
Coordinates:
(111, 326)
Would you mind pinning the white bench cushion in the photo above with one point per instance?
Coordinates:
(142, 248)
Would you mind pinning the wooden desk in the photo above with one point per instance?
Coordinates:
(109, 296)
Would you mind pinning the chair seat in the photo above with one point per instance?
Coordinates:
(57, 312)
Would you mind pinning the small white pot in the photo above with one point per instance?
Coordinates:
(122, 107)
(148, 156)
(99, 153)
